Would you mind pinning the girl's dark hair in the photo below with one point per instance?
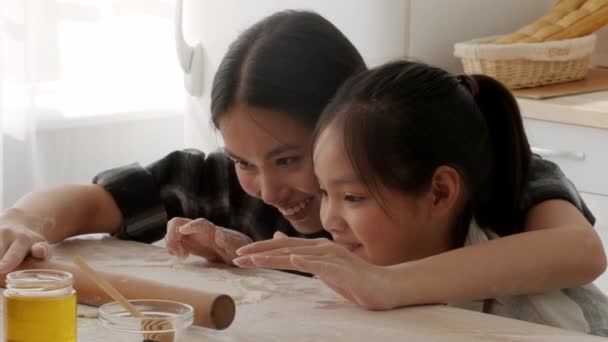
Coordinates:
(403, 120)
(291, 61)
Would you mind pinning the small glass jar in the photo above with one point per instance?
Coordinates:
(164, 321)
(39, 305)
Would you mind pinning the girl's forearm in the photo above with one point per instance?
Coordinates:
(522, 264)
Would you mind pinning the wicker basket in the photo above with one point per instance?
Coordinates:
(522, 65)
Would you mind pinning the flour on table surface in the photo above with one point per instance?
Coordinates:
(155, 263)
(85, 311)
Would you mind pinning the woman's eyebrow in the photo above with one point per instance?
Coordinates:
(269, 155)
(231, 155)
(281, 149)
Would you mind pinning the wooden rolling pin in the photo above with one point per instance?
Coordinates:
(211, 310)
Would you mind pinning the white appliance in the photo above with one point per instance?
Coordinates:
(190, 56)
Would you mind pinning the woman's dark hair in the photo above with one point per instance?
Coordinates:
(291, 61)
(403, 120)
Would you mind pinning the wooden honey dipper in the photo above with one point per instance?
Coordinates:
(147, 324)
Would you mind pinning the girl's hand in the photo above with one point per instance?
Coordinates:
(346, 273)
(202, 238)
(20, 236)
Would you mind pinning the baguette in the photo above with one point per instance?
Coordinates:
(579, 17)
(558, 11)
(584, 27)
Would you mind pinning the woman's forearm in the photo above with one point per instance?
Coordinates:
(67, 210)
(521, 264)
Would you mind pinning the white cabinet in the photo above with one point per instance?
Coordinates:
(572, 132)
(579, 151)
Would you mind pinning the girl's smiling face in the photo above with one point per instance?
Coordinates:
(403, 228)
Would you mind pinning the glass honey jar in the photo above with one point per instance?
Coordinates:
(39, 305)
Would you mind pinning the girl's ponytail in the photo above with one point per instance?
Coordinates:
(510, 153)
(403, 120)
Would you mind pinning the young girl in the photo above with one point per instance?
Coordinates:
(420, 173)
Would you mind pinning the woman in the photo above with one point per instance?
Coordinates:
(284, 70)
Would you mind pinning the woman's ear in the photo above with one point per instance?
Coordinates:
(445, 190)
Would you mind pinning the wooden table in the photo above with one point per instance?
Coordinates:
(277, 306)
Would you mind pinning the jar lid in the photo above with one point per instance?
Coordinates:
(39, 282)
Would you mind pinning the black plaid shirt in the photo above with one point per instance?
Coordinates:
(189, 184)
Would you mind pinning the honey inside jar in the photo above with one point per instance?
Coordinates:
(39, 305)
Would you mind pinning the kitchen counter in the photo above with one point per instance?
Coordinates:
(278, 306)
(588, 110)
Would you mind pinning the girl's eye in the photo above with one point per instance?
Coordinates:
(323, 192)
(286, 161)
(353, 198)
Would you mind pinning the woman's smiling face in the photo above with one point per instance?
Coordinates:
(272, 156)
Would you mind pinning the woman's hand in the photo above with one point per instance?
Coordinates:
(203, 238)
(20, 235)
(346, 273)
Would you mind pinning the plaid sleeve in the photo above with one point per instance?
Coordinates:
(548, 182)
(188, 184)
(184, 183)
(137, 196)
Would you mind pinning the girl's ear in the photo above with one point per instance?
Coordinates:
(445, 190)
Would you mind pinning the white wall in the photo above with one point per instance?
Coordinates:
(601, 49)
(78, 150)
